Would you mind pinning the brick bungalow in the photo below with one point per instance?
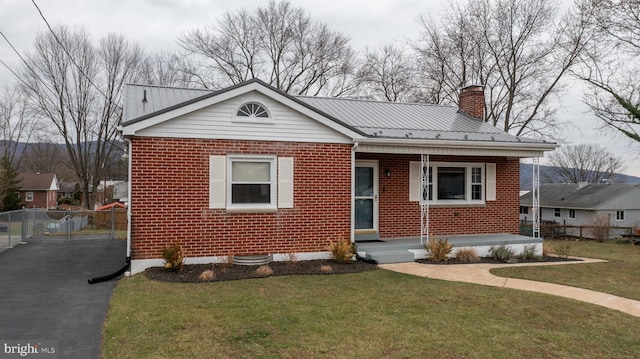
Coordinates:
(39, 190)
(249, 170)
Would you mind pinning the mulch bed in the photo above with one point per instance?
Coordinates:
(190, 273)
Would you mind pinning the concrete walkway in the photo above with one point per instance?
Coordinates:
(479, 274)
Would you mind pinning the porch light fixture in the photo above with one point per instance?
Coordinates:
(387, 172)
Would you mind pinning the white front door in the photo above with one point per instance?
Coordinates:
(366, 197)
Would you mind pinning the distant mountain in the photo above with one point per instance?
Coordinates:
(526, 176)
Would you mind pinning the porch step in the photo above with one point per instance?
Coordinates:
(367, 237)
(391, 257)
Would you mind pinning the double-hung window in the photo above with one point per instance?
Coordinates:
(28, 197)
(251, 182)
(453, 183)
(248, 183)
(619, 215)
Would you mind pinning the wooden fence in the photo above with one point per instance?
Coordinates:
(552, 230)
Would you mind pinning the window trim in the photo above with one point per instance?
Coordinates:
(218, 192)
(557, 212)
(273, 200)
(468, 167)
(253, 119)
(28, 197)
(572, 214)
(620, 215)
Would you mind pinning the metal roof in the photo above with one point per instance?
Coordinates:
(385, 119)
(157, 98)
(578, 195)
(374, 119)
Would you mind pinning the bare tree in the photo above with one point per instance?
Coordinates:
(583, 163)
(17, 123)
(612, 65)
(517, 49)
(46, 157)
(77, 85)
(167, 69)
(388, 74)
(279, 44)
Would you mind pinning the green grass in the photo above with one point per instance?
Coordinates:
(119, 234)
(619, 276)
(377, 314)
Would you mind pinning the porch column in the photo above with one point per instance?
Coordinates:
(424, 202)
(535, 195)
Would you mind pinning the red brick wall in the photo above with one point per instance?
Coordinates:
(170, 199)
(40, 199)
(400, 218)
(472, 101)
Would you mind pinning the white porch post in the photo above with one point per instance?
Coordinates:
(535, 194)
(353, 192)
(424, 202)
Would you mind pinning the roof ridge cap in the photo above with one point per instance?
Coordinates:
(169, 87)
(375, 101)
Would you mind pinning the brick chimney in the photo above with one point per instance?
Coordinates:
(472, 101)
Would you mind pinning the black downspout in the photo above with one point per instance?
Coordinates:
(112, 275)
(366, 260)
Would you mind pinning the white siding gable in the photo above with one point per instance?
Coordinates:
(219, 121)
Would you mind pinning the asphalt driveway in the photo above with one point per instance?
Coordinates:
(45, 297)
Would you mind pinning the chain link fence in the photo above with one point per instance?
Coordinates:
(19, 226)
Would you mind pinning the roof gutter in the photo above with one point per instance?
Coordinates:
(529, 146)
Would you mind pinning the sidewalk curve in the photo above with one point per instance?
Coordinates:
(479, 274)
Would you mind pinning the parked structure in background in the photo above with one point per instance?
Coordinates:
(588, 205)
(39, 190)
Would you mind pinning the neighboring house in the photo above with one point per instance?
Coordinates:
(105, 193)
(120, 192)
(67, 191)
(39, 190)
(584, 204)
(250, 170)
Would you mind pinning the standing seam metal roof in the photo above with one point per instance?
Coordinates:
(374, 119)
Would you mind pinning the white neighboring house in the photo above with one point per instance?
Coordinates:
(580, 204)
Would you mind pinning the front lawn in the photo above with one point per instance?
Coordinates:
(375, 314)
(619, 276)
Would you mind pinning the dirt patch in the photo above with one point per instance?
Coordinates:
(190, 273)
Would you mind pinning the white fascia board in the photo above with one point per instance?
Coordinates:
(533, 148)
(130, 130)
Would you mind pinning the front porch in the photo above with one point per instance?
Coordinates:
(408, 249)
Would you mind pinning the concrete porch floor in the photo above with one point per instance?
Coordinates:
(399, 250)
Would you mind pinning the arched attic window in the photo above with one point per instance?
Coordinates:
(252, 110)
